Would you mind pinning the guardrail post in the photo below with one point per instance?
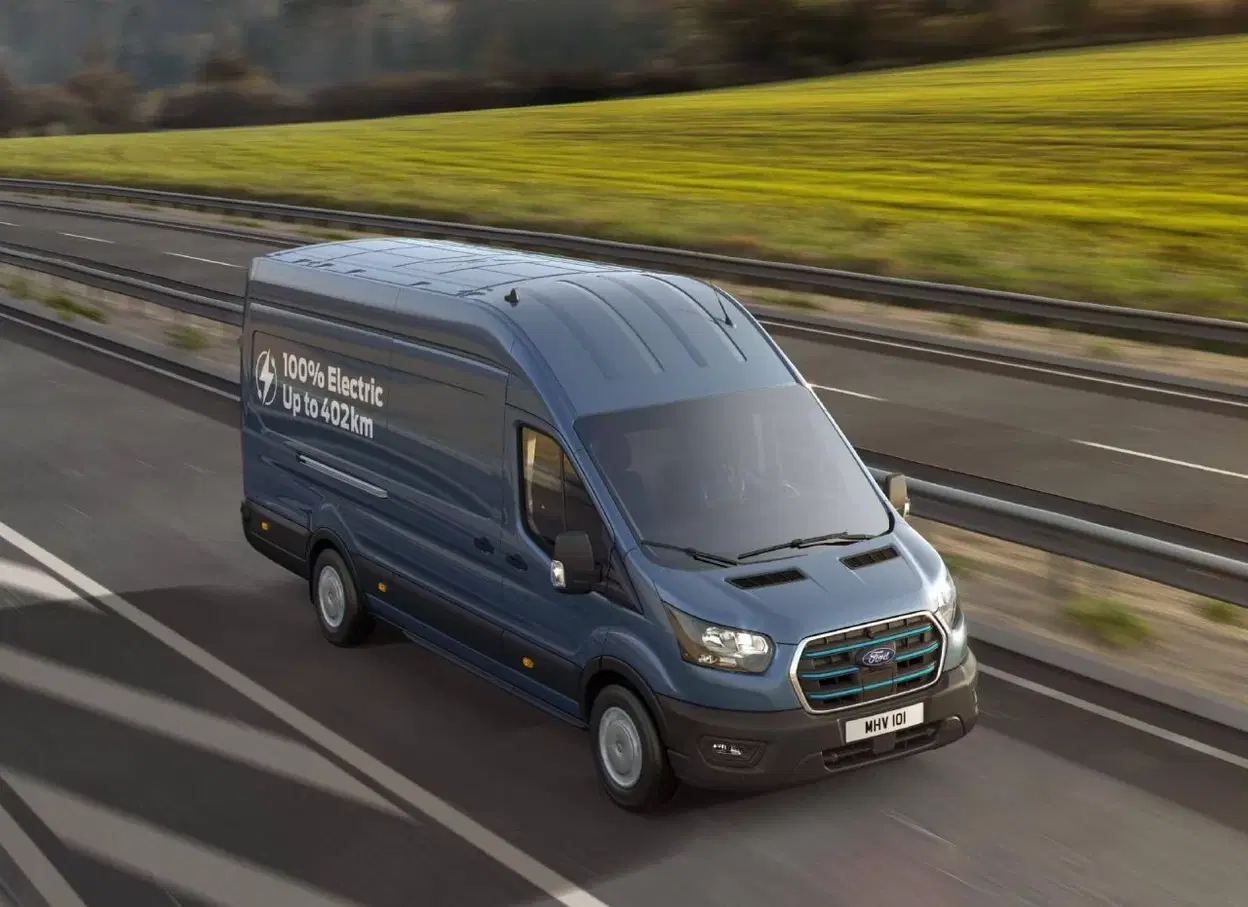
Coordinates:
(1061, 576)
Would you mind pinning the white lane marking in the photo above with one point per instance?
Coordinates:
(978, 888)
(1134, 723)
(226, 737)
(141, 364)
(87, 238)
(839, 390)
(1148, 456)
(916, 827)
(207, 261)
(5, 223)
(535, 873)
(37, 868)
(181, 863)
(967, 357)
(34, 582)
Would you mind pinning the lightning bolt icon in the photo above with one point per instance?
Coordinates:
(266, 375)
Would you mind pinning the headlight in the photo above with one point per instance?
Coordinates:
(725, 648)
(945, 600)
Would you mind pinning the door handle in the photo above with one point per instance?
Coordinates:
(517, 561)
(483, 544)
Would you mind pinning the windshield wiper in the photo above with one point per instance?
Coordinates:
(717, 559)
(832, 538)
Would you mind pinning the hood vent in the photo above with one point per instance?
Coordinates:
(761, 580)
(867, 558)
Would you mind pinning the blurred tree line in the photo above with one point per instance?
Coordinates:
(111, 65)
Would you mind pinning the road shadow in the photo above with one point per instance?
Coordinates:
(530, 777)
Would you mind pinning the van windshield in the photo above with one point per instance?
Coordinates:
(733, 473)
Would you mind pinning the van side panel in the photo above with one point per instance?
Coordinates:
(444, 510)
(315, 409)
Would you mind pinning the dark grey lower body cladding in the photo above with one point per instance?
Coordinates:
(714, 748)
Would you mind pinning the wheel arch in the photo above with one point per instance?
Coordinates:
(606, 670)
(327, 538)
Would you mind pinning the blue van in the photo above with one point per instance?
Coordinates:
(606, 490)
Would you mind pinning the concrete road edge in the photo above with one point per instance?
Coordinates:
(1088, 666)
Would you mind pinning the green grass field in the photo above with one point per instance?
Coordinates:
(1116, 175)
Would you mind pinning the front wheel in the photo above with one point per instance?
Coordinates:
(631, 758)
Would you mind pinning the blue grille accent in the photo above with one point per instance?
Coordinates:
(830, 679)
(827, 675)
(853, 691)
(824, 653)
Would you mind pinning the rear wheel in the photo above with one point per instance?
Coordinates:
(337, 601)
(631, 758)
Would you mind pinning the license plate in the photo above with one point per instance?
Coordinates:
(883, 723)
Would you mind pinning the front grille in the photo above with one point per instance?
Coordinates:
(830, 675)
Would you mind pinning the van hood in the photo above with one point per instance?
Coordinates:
(830, 595)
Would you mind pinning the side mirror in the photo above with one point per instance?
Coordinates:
(572, 570)
(898, 495)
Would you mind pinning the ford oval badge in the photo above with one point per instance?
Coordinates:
(877, 657)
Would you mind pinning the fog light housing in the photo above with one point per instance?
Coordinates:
(731, 753)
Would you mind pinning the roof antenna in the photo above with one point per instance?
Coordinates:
(513, 297)
(719, 294)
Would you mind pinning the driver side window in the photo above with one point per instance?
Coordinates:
(555, 499)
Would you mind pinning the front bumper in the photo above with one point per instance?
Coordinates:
(779, 748)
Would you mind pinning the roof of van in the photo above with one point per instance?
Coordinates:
(647, 337)
(453, 268)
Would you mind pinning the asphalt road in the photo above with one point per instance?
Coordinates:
(136, 770)
(1165, 462)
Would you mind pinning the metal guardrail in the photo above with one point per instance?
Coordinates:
(1179, 566)
(1210, 396)
(219, 310)
(1162, 327)
(1194, 393)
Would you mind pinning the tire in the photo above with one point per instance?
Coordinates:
(640, 779)
(336, 600)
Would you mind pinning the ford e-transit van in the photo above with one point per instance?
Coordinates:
(605, 489)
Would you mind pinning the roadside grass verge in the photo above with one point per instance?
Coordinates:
(69, 308)
(1109, 621)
